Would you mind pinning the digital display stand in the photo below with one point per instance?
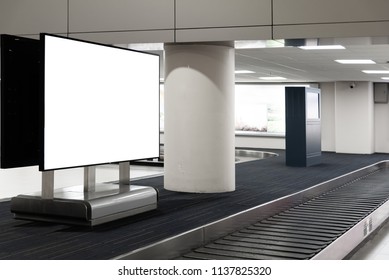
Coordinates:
(99, 104)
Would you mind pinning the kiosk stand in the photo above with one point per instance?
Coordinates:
(90, 204)
(303, 126)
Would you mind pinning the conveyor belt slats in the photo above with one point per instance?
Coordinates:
(304, 230)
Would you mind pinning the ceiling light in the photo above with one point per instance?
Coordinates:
(272, 78)
(328, 47)
(385, 78)
(376, 71)
(355, 61)
(243, 72)
(258, 44)
(250, 44)
(147, 46)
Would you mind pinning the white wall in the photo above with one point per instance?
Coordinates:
(258, 142)
(359, 109)
(381, 115)
(328, 117)
(354, 113)
(28, 180)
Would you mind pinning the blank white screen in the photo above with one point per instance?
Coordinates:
(313, 105)
(101, 104)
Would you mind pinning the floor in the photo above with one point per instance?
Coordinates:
(376, 248)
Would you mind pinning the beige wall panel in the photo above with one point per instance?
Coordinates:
(222, 13)
(224, 34)
(327, 11)
(362, 29)
(116, 15)
(127, 37)
(33, 17)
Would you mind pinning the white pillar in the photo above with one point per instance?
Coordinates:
(354, 112)
(199, 118)
(328, 123)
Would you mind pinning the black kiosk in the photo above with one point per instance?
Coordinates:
(303, 126)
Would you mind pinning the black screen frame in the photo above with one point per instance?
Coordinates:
(20, 63)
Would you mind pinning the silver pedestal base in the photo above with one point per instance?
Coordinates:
(72, 205)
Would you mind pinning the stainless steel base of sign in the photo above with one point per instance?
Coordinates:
(73, 205)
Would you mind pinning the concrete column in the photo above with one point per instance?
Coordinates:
(199, 118)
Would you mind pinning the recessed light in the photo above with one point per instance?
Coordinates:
(376, 71)
(147, 46)
(243, 72)
(274, 78)
(355, 61)
(328, 47)
(258, 44)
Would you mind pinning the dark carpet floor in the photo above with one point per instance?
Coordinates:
(257, 182)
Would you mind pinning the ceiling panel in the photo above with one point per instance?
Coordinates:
(299, 65)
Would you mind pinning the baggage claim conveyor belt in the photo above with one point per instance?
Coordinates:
(304, 231)
(327, 221)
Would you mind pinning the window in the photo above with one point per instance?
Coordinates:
(259, 109)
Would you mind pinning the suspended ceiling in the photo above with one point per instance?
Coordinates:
(299, 65)
(273, 58)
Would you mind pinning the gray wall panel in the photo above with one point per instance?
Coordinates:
(327, 11)
(116, 15)
(222, 13)
(33, 17)
(127, 37)
(224, 34)
(357, 29)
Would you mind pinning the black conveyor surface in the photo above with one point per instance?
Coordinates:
(257, 182)
(304, 230)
